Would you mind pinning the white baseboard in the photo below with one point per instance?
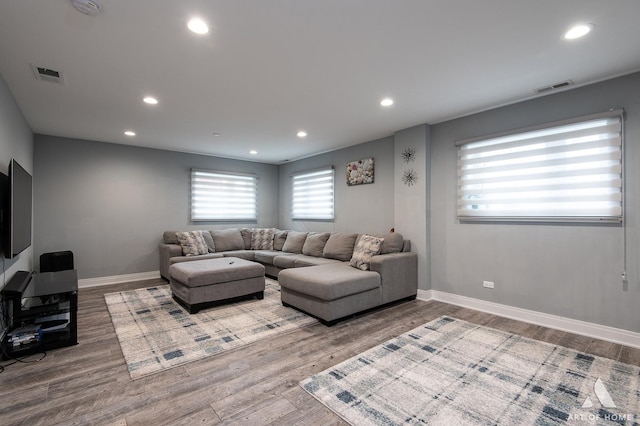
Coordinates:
(602, 332)
(117, 279)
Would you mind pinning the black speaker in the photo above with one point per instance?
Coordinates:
(56, 261)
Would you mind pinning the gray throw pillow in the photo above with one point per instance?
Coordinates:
(339, 246)
(393, 242)
(278, 239)
(209, 240)
(169, 237)
(246, 237)
(227, 239)
(294, 242)
(314, 244)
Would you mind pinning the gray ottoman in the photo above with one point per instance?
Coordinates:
(202, 283)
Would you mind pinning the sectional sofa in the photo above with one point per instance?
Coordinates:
(319, 273)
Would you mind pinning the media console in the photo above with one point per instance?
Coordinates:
(41, 311)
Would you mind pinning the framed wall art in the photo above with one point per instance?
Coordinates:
(360, 172)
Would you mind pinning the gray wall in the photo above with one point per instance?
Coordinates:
(110, 203)
(411, 214)
(360, 208)
(569, 270)
(16, 141)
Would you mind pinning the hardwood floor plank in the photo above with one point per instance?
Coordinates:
(257, 384)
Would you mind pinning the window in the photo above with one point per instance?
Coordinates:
(312, 194)
(223, 196)
(565, 171)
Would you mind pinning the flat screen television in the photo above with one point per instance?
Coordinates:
(18, 210)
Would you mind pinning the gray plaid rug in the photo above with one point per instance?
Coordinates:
(451, 372)
(156, 333)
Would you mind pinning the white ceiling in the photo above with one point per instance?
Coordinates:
(267, 69)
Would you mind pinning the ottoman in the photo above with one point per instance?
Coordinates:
(202, 283)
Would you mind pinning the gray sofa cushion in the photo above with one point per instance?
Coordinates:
(339, 246)
(294, 242)
(314, 244)
(328, 282)
(278, 239)
(169, 237)
(266, 256)
(286, 260)
(209, 240)
(246, 237)
(303, 261)
(393, 242)
(241, 254)
(180, 259)
(227, 239)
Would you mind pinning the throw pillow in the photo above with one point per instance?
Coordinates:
(169, 237)
(367, 247)
(278, 239)
(294, 242)
(208, 239)
(227, 239)
(262, 238)
(339, 246)
(246, 237)
(192, 243)
(314, 244)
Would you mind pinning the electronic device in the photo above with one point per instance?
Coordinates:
(17, 213)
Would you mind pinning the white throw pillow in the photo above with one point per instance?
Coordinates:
(367, 247)
(192, 243)
(262, 238)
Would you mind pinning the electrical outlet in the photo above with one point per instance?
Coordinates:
(487, 284)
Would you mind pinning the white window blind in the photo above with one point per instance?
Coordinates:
(565, 171)
(312, 194)
(223, 196)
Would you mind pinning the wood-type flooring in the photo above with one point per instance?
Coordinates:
(88, 384)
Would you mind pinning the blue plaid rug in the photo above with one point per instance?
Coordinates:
(451, 372)
(156, 333)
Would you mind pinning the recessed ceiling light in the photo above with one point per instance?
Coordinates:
(253, 152)
(302, 134)
(130, 133)
(578, 31)
(386, 102)
(150, 100)
(216, 134)
(198, 26)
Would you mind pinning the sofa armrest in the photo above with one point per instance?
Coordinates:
(398, 275)
(167, 251)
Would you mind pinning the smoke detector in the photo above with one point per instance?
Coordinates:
(88, 7)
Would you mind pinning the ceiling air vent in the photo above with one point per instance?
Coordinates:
(48, 74)
(556, 86)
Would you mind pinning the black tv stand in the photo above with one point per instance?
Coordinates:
(41, 311)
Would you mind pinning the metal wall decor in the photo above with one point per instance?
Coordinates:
(408, 155)
(409, 177)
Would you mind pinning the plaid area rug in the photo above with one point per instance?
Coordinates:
(450, 372)
(156, 333)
